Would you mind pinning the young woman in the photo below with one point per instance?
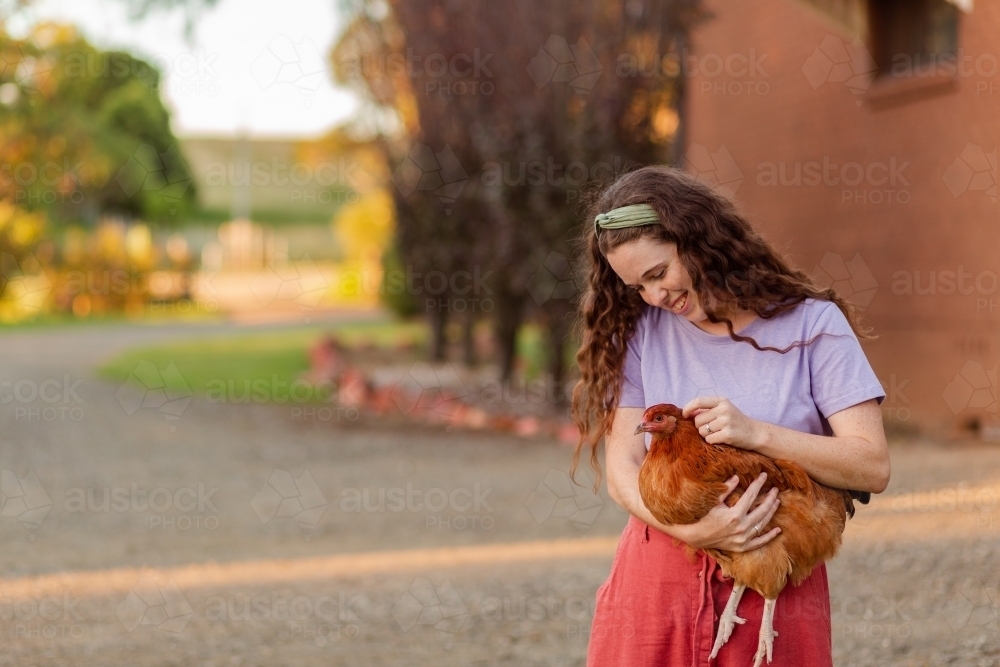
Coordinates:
(687, 304)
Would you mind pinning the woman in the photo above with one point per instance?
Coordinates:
(687, 304)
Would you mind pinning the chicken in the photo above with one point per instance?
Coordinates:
(681, 480)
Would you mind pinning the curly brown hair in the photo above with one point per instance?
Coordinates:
(730, 265)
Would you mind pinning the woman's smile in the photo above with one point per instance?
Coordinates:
(680, 304)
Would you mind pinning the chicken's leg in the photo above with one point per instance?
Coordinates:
(728, 619)
(765, 642)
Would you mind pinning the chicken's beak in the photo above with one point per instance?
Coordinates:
(641, 428)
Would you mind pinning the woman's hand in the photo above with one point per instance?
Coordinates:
(721, 423)
(735, 528)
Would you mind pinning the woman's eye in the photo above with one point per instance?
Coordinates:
(659, 275)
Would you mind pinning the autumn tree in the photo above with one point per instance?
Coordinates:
(535, 103)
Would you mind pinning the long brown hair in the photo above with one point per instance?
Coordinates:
(730, 264)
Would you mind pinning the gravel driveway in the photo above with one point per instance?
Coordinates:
(236, 534)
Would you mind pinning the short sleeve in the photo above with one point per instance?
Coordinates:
(840, 375)
(632, 395)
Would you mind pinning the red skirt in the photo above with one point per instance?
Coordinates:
(660, 609)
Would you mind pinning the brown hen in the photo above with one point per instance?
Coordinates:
(682, 478)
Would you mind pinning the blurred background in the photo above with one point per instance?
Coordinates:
(288, 293)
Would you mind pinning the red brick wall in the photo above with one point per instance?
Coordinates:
(928, 222)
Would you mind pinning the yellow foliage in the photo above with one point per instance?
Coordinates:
(364, 228)
(19, 228)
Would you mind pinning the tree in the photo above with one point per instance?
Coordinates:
(596, 85)
(85, 131)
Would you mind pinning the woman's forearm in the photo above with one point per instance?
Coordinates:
(623, 487)
(843, 462)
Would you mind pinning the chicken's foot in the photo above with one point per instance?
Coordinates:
(765, 642)
(728, 619)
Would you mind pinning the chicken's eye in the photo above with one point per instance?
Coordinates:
(659, 418)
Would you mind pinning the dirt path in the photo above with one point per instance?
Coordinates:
(255, 535)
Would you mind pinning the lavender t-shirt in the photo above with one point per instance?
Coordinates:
(670, 360)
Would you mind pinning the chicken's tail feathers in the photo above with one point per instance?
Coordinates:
(862, 497)
(850, 496)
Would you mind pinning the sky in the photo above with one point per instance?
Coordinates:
(252, 66)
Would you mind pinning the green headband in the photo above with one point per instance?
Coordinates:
(627, 216)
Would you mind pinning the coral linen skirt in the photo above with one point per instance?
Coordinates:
(660, 609)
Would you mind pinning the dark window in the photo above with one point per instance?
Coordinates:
(913, 36)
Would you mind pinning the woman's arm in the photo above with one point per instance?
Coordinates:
(855, 457)
(729, 528)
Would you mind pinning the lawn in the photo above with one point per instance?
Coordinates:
(264, 365)
(242, 360)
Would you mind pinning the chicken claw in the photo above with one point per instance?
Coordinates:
(765, 642)
(728, 619)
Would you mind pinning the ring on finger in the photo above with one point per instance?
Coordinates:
(756, 530)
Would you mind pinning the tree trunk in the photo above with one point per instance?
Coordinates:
(557, 332)
(469, 340)
(439, 322)
(508, 321)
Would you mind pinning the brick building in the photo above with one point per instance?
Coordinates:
(861, 138)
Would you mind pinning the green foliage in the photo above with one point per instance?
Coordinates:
(86, 133)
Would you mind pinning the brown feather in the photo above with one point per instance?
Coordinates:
(683, 476)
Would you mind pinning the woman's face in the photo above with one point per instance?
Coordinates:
(654, 269)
